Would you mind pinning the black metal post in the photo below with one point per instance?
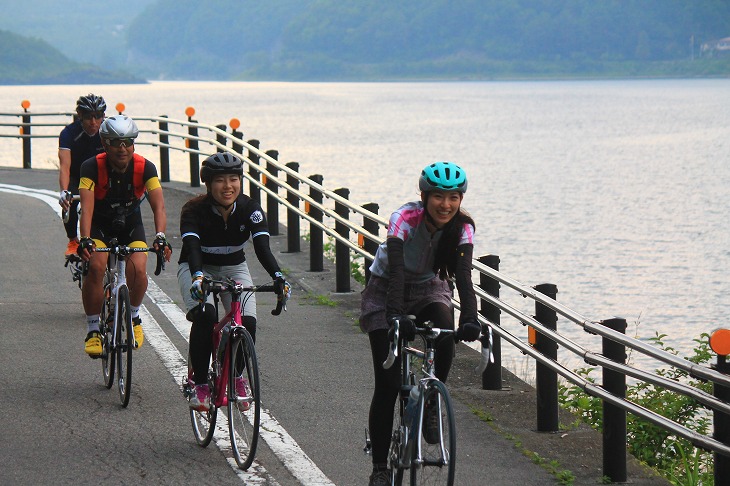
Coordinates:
(342, 251)
(25, 130)
(194, 157)
(614, 418)
(164, 151)
(272, 203)
(221, 139)
(546, 380)
(721, 423)
(253, 190)
(237, 146)
(293, 235)
(316, 235)
(492, 376)
(369, 245)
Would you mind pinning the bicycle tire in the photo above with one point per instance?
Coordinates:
(106, 329)
(437, 465)
(244, 415)
(203, 422)
(394, 452)
(125, 344)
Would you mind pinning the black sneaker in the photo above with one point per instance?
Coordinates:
(380, 477)
(431, 420)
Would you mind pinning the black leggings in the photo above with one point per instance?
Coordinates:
(387, 382)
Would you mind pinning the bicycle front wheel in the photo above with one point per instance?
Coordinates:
(434, 460)
(244, 399)
(125, 343)
(397, 441)
(106, 329)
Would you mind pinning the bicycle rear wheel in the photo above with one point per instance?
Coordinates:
(106, 329)
(437, 461)
(125, 343)
(203, 422)
(244, 407)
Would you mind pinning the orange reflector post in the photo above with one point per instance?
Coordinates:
(234, 123)
(531, 335)
(25, 104)
(306, 207)
(120, 108)
(187, 143)
(720, 341)
(190, 111)
(263, 179)
(361, 240)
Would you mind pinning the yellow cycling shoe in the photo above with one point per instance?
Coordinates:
(92, 344)
(138, 332)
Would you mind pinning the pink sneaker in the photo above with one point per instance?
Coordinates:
(243, 392)
(200, 400)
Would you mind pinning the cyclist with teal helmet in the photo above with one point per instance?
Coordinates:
(429, 242)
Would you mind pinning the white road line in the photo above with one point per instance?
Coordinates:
(277, 438)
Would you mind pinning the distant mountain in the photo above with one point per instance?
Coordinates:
(25, 60)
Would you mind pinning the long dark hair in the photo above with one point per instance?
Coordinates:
(444, 264)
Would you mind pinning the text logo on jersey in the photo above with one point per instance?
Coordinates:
(257, 217)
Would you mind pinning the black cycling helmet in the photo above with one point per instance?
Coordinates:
(220, 163)
(443, 176)
(91, 103)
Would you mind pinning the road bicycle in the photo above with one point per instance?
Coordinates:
(233, 360)
(424, 430)
(115, 321)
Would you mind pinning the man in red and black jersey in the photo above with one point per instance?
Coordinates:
(112, 187)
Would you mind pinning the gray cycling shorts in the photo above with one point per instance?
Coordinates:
(239, 273)
(417, 296)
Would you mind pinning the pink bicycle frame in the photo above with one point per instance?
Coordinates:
(233, 317)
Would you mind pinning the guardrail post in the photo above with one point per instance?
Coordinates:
(372, 227)
(235, 144)
(253, 190)
(546, 380)
(221, 139)
(614, 418)
(164, 151)
(25, 130)
(492, 376)
(721, 423)
(316, 236)
(194, 156)
(272, 203)
(342, 251)
(293, 235)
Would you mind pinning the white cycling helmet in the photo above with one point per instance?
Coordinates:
(118, 126)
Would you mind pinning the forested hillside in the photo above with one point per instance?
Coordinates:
(381, 39)
(352, 39)
(33, 61)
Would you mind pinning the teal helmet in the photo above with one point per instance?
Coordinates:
(442, 176)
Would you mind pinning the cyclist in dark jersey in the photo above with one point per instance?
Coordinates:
(214, 228)
(77, 142)
(428, 242)
(112, 186)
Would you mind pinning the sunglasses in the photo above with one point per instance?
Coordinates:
(119, 142)
(92, 116)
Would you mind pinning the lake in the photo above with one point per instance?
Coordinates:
(615, 191)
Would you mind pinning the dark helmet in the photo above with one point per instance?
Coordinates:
(91, 103)
(118, 126)
(220, 163)
(444, 176)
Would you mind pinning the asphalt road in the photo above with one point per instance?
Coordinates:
(60, 425)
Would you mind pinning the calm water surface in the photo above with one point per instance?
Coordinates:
(615, 191)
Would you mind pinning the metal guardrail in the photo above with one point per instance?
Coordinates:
(327, 213)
